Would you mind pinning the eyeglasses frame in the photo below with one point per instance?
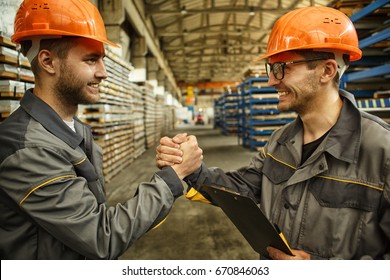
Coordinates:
(283, 64)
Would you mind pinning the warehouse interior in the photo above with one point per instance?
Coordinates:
(187, 66)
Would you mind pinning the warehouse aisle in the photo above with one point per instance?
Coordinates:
(193, 230)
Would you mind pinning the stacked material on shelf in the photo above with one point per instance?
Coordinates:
(169, 119)
(374, 103)
(15, 77)
(230, 113)
(160, 118)
(378, 105)
(139, 122)
(10, 89)
(218, 105)
(13, 65)
(150, 114)
(7, 107)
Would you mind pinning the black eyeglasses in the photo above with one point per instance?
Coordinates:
(277, 68)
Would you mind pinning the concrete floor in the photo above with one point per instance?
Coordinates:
(193, 230)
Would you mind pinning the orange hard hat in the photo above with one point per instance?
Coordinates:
(53, 18)
(314, 28)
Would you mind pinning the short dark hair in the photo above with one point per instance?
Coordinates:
(310, 54)
(59, 46)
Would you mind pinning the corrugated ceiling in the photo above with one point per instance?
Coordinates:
(215, 40)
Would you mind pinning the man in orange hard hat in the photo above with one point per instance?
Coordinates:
(324, 179)
(52, 198)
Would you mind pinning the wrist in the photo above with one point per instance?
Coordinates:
(178, 171)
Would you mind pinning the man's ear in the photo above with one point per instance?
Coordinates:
(329, 70)
(47, 61)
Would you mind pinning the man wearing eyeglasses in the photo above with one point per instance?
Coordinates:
(324, 179)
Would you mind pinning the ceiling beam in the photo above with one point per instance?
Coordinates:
(173, 50)
(185, 64)
(139, 23)
(153, 10)
(206, 85)
(239, 29)
(200, 41)
(217, 57)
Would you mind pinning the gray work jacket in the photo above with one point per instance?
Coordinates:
(337, 203)
(52, 200)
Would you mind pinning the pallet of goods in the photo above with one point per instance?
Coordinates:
(15, 77)
(139, 122)
(150, 115)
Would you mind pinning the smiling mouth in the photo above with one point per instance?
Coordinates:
(283, 93)
(94, 85)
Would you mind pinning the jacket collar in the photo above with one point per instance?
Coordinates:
(49, 119)
(343, 140)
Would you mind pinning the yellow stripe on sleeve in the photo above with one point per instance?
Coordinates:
(44, 184)
(81, 161)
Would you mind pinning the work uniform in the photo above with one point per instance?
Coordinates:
(52, 199)
(334, 205)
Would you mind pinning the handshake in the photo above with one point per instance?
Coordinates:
(181, 152)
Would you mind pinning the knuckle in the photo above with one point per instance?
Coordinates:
(164, 139)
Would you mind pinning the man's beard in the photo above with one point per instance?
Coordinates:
(69, 88)
(303, 97)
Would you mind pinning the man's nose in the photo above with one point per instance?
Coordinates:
(272, 81)
(101, 70)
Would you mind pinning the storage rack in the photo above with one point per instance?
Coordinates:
(377, 106)
(230, 116)
(139, 122)
(218, 103)
(15, 77)
(149, 103)
(369, 78)
(160, 118)
(169, 117)
(259, 114)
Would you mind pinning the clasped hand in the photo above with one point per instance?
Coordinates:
(181, 152)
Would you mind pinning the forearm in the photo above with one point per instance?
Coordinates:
(246, 180)
(100, 232)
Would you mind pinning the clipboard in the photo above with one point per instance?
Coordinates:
(249, 220)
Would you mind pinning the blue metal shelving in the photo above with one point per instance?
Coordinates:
(379, 65)
(259, 114)
(375, 76)
(226, 113)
